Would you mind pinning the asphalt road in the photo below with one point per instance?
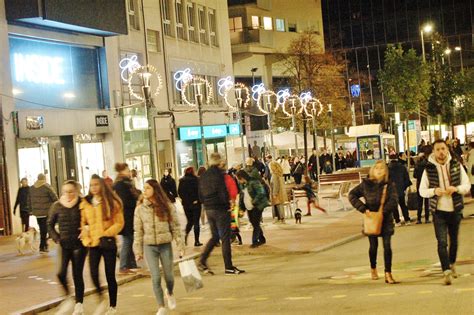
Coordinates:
(336, 281)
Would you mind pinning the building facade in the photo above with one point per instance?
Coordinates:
(360, 31)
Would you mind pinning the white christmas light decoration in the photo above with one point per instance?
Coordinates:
(142, 70)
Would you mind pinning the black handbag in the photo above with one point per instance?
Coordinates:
(412, 202)
(107, 243)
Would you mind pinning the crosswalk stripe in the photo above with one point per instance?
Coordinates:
(382, 294)
(295, 298)
(138, 295)
(339, 296)
(261, 299)
(425, 292)
(465, 290)
(225, 299)
(192, 298)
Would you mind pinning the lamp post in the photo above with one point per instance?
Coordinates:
(426, 29)
(459, 49)
(146, 74)
(183, 80)
(313, 108)
(242, 98)
(333, 144)
(267, 103)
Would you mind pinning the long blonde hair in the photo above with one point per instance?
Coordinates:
(276, 169)
(371, 171)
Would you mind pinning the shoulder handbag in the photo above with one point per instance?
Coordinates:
(373, 220)
(107, 243)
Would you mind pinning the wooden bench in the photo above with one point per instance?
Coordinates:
(344, 179)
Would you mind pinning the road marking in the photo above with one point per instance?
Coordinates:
(39, 279)
(8, 278)
(296, 298)
(32, 277)
(465, 290)
(382, 294)
(192, 298)
(339, 296)
(225, 299)
(138, 295)
(52, 282)
(425, 292)
(261, 299)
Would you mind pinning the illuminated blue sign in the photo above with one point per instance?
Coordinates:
(213, 131)
(355, 90)
(234, 130)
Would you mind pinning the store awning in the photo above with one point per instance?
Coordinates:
(365, 130)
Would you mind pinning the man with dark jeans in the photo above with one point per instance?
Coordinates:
(40, 200)
(445, 182)
(418, 173)
(398, 174)
(215, 199)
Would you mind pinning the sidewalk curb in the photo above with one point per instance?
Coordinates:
(337, 243)
(42, 307)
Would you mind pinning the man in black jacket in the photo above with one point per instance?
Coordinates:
(398, 174)
(418, 173)
(313, 164)
(215, 199)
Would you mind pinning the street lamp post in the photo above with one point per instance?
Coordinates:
(426, 29)
(267, 103)
(333, 144)
(312, 111)
(197, 86)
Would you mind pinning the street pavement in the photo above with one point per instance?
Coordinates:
(289, 246)
(298, 279)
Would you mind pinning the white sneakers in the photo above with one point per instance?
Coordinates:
(111, 311)
(171, 301)
(161, 311)
(100, 310)
(78, 309)
(65, 307)
(447, 277)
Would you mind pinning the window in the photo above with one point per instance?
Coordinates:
(267, 23)
(133, 18)
(235, 24)
(180, 20)
(166, 12)
(213, 27)
(280, 25)
(292, 27)
(203, 36)
(192, 22)
(255, 22)
(153, 40)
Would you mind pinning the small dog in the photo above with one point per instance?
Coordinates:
(26, 241)
(298, 215)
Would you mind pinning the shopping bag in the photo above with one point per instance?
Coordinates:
(412, 200)
(190, 274)
(33, 223)
(373, 220)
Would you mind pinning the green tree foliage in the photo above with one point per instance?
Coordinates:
(464, 102)
(404, 79)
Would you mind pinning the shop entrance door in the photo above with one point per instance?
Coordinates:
(33, 159)
(90, 161)
(62, 159)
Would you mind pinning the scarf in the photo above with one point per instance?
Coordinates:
(68, 204)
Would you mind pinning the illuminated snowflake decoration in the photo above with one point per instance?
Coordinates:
(140, 70)
(225, 85)
(197, 80)
(282, 95)
(128, 65)
(292, 106)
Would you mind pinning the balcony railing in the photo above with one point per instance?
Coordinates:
(252, 36)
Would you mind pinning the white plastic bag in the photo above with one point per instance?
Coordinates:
(190, 274)
(33, 223)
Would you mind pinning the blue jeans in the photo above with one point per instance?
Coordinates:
(127, 257)
(153, 255)
(447, 223)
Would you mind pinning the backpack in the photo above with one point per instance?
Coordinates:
(327, 168)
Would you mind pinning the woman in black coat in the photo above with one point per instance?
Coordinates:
(372, 189)
(169, 185)
(22, 201)
(67, 215)
(188, 192)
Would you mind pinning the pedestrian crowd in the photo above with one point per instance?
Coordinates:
(146, 217)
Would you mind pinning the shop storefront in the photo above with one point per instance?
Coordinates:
(189, 148)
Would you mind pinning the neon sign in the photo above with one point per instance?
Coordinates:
(38, 69)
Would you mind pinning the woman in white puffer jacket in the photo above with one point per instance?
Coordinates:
(155, 227)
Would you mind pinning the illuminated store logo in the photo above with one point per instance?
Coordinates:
(38, 69)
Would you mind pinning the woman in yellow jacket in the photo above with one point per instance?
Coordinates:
(101, 221)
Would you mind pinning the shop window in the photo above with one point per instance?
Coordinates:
(203, 30)
(133, 18)
(292, 27)
(213, 27)
(166, 13)
(267, 23)
(235, 24)
(153, 40)
(255, 22)
(192, 22)
(180, 20)
(280, 25)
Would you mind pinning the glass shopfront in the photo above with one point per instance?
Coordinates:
(189, 148)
